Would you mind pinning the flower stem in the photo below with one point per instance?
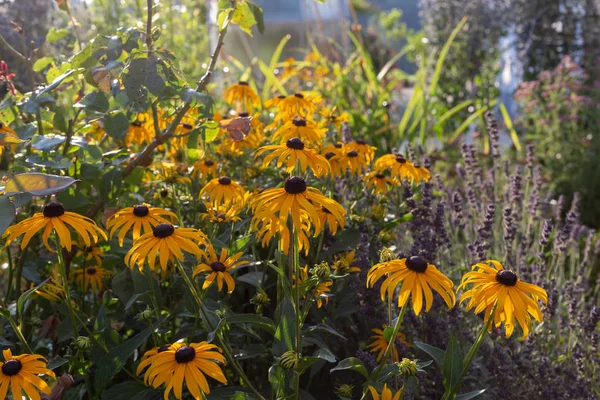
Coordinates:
(391, 344)
(471, 355)
(209, 325)
(65, 280)
(17, 330)
(295, 259)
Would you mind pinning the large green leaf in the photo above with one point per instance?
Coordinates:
(37, 184)
(351, 363)
(258, 320)
(131, 390)
(452, 363)
(116, 125)
(58, 80)
(435, 352)
(23, 298)
(285, 336)
(7, 213)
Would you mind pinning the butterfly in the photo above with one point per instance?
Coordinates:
(238, 128)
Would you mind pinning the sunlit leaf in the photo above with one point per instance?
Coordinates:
(37, 184)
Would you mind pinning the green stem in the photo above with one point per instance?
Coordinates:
(391, 344)
(471, 355)
(17, 330)
(63, 274)
(296, 268)
(226, 351)
(10, 274)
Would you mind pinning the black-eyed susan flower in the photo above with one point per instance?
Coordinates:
(386, 393)
(226, 213)
(349, 160)
(322, 293)
(91, 278)
(297, 104)
(301, 128)
(171, 173)
(242, 93)
(190, 363)
(52, 290)
(295, 199)
(8, 137)
(140, 130)
(54, 218)
(401, 168)
(274, 102)
(379, 344)
(379, 182)
(21, 374)
(165, 241)
(219, 268)
(267, 229)
(417, 277)
(204, 169)
(346, 263)
(293, 153)
(139, 219)
(149, 357)
(363, 149)
(332, 116)
(516, 299)
(88, 252)
(329, 218)
(223, 190)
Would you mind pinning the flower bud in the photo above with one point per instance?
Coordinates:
(407, 367)
(321, 270)
(386, 254)
(290, 360)
(83, 342)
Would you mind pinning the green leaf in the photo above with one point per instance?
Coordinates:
(195, 98)
(285, 336)
(469, 121)
(56, 362)
(324, 354)
(131, 390)
(23, 298)
(257, 11)
(41, 63)
(116, 125)
(47, 142)
(7, 213)
(435, 352)
(509, 125)
(211, 130)
(55, 161)
(352, 363)
(37, 184)
(470, 395)
(244, 17)
(111, 363)
(259, 321)
(326, 328)
(94, 101)
(448, 114)
(58, 80)
(452, 363)
(54, 35)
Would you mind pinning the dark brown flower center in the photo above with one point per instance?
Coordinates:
(163, 231)
(11, 367)
(281, 97)
(137, 124)
(243, 115)
(218, 266)
(325, 210)
(361, 142)
(140, 211)
(329, 155)
(299, 95)
(299, 122)
(187, 126)
(224, 180)
(243, 83)
(506, 277)
(295, 185)
(163, 348)
(164, 193)
(53, 209)
(209, 163)
(337, 145)
(352, 154)
(185, 354)
(91, 271)
(379, 176)
(400, 158)
(295, 143)
(221, 216)
(417, 264)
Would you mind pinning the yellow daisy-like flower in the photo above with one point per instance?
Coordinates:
(204, 169)
(297, 104)
(379, 344)
(179, 363)
(329, 218)
(333, 117)
(379, 182)
(274, 102)
(349, 160)
(88, 252)
(516, 299)
(295, 198)
(294, 152)
(242, 93)
(171, 173)
(21, 374)
(301, 128)
(165, 241)
(8, 137)
(55, 218)
(222, 191)
(321, 293)
(52, 290)
(346, 263)
(363, 149)
(140, 132)
(222, 213)
(269, 228)
(140, 219)
(417, 278)
(219, 268)
(386, 393)
(92, 277)
(402, 169)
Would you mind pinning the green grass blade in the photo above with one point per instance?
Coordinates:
(509, 125)
(469, 121)
(388, 65)
(448, 114)
(273, 64)
(440, 62)
(416, 99)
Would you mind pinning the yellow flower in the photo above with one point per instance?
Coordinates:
(326, 216)
(349, 160)
(189, 363)
(274, 102)
(8, 137)
(363, 149)
(386, 393)
(52, 290)
(219, 268)
(333, 117)
(141, 219)
(269, 228)
(299, 104)
(295, 198)
(379, 344)
(171, 173)
(221, 213)
(292, 153)
(346, 263)
(379, 182)
(140, 131)
(301, 128)
(322, 293)
(223, 190)
(55, 218)
(417, 278)
(242, 93)
(402, 169)
(89, 252)
(21, 373)
(204, 169)
(164, 241)
(92, 277)
(516, 299)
